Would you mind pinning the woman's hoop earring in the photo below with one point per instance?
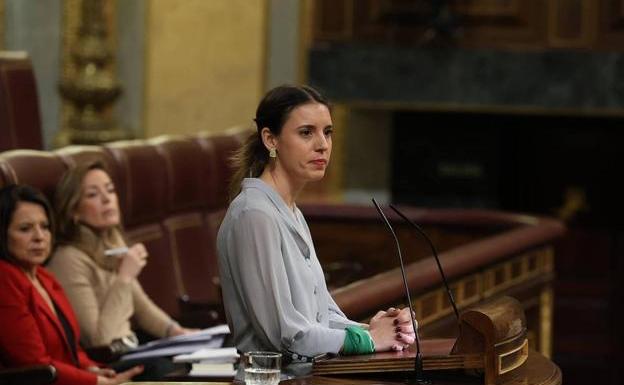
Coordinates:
(272, 153)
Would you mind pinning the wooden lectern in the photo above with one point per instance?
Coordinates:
(492, 349)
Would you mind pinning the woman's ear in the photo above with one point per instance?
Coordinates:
(268, 139)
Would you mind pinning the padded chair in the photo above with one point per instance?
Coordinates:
(192, 169)
(143, 202)
(19, 106)
(31, 375)
(38, 169)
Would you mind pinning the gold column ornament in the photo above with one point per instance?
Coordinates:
(92, 87)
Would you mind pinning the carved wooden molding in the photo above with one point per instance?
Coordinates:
(434, 305)
(485, 8)
(572, 24)
(610, 24)
(516, 24)
(333, 19)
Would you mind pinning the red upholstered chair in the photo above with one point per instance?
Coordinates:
(20, 123)
(220, 148)
(224, 145)
(143, 186)
(191, 170)
(76, 154)
(40, 169)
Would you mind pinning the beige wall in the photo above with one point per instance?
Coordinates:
(1, 24)
(205, 64)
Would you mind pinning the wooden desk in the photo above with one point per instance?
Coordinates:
(538, 370)
(181, 383)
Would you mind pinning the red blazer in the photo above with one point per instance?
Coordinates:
(31, 334)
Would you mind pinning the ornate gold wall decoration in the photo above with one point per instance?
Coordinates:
(546, 321)
(88, 80)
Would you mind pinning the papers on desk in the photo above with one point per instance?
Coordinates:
(210, 362)
(210, 338)
(212, 370)
(208, 356)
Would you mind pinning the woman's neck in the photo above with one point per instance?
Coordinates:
(285, 187)
(31, 272)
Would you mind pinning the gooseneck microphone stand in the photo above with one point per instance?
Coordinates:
(418, 374)
(435, 255)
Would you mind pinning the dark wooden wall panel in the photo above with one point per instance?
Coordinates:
(507, 24)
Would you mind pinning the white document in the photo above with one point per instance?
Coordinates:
(204, 355)
(173, 350)
(204, 336)
(212, 373)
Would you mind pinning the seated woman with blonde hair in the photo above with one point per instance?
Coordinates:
(103, 289)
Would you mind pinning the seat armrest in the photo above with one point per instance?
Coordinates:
(32, 375)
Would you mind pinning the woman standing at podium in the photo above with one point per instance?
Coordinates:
(274, 289)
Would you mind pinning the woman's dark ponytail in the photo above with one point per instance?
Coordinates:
(272, 112)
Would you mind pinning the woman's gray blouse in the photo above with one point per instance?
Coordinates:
(274, 290)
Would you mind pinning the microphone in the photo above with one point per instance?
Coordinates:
(435, 254)
(419, 377)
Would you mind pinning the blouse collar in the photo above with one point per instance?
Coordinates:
(289, 216)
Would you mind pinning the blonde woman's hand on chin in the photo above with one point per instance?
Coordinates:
(132, 262)
(120, 378)
(392, 330)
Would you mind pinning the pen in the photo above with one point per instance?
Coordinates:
(116, 251)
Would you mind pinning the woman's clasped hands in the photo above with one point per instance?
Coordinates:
(392, 329)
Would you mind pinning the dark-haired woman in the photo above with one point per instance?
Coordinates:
(37, 323)
(273, 285)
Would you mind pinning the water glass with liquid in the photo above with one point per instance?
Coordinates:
(262, 368)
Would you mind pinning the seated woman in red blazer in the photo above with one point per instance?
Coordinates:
(37, 323)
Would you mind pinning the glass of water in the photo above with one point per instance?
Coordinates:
(262, 368)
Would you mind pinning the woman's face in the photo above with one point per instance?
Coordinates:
(98, 205)
(29, 237)
(305, 143)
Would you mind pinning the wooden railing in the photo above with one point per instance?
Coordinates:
(485, 254)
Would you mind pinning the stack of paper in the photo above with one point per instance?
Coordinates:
(210, 362)
(166, 347)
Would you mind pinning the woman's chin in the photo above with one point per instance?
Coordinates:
(316, 176)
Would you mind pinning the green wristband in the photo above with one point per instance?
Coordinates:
(357, 341)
